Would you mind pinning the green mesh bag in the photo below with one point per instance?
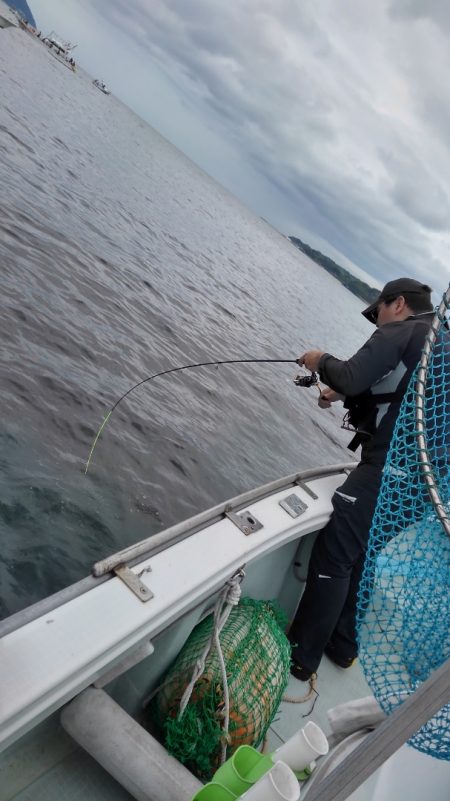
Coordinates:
(257, 656)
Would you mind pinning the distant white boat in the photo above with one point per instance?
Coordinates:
(102, 86)
(60, 49)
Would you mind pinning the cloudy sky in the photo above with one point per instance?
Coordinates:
(330, 119)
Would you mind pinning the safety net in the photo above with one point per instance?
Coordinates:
(404, 597)
(257, 658)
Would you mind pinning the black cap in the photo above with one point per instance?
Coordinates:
(393, 289)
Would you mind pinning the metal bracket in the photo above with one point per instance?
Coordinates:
(303, 485)
(133, 582)
(245, 521)
(293, 505)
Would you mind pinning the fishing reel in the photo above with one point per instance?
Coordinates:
(306, 380)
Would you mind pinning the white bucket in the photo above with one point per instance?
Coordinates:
(278, 784)
(303, 747)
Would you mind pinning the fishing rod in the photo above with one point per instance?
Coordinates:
(300, 381)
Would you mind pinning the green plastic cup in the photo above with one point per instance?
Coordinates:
(214, 791)
(243, 769)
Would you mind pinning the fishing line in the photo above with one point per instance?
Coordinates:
(305, 381)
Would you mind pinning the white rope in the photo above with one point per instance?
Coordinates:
(301, 699)
(228, 598)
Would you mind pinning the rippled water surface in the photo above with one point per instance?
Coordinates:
(119, 259)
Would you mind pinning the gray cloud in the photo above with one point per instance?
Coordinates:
(430, 207)
(437, 11)
(339, 112)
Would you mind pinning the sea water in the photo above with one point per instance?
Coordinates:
(120, 258)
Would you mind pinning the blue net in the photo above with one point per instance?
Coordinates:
(404, 597)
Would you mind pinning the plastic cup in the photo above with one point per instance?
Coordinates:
(303, 747)
(243, 768)
(278, 784)
(214, 792)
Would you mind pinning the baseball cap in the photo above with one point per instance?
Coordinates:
(393, 289)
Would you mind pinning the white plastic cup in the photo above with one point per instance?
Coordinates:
(278, 784)
(303, 747)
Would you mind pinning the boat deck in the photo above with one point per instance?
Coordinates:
(78, 776)
(43, 762)
(334, 686)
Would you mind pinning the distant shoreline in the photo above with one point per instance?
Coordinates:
(355, 285)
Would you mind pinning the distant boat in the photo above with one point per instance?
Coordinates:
(60, 49)
(102, 86)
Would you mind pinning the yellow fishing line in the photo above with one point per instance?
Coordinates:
(95, 440)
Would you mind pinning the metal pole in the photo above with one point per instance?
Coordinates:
(426, 467)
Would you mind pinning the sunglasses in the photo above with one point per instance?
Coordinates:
(374, 313)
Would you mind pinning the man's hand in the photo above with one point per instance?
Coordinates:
(310, 360)
(329, 396)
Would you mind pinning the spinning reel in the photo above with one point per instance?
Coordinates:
(306, 380)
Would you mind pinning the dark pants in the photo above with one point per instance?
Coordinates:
(327, 610)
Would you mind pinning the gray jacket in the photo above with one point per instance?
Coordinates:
(375, 379)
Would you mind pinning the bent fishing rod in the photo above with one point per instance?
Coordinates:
(300, 381)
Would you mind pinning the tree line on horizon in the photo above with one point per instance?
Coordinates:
(355, 285)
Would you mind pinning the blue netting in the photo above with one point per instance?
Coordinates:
(404, 598)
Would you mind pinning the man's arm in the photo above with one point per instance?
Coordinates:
(377, 357)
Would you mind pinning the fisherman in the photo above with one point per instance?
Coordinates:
(371, 384)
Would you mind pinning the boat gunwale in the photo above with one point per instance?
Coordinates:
(132, 555)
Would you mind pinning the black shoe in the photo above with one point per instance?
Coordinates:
(300, 672)
(341, 661)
